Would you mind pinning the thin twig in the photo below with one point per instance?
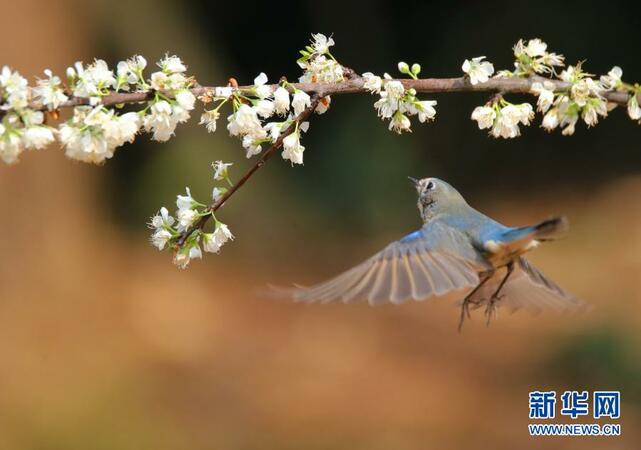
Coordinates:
(267, 154)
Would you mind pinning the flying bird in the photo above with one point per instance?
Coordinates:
(457, 249)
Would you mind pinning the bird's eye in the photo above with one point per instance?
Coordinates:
(430, 185)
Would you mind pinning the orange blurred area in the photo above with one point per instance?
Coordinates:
(105, 345)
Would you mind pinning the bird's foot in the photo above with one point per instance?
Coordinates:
(491, 310)
(465, 309)
(465, 306)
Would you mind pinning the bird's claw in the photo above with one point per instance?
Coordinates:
(491, 310)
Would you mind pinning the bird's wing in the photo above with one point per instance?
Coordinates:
(430, 262)
(530, 289)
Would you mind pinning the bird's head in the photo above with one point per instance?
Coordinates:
(436, 197)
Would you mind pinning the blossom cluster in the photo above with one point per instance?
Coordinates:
(533, 58)
(582, 100)
(320, 66)
(397, 103)
(22, 127)
(580, 96)
(94, 131)
(503, 118)
(250, 111)
(263, 112)
(168, 230)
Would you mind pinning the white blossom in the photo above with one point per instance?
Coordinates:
(584, 88)
(426, 110)
(536, 47)
(292, 149)
(321, 69)
(186, 99)
(551, 119)
(264, 108)
(130, 72)
(372, 83)
(300, 101)
(533, 57)
(507, 123)
(185, 201)
(221, 170)
(252, 145)
(478, 70)
(281, 100)
(121, 128)
(518, 113)
(183, 256)
(321, 43)
(160, 238)
(86, 145)
(569, 122)
(217, 193)
(186, 218)
(613, 79)
(210, 244)
(545, 92)
(505, 129)
(93, 134)
(397, 103)
(94, 80)
(10, 145)
(222, 234)
(209, 118)
(394, 88)
(161, 219)
(195, 252)
(161, 81)
(260, 84)
(37, 137)
(399, 123)
(551, 60)
(14, 89)
(49, 91)
(172, 64)
(386, 105)
(485, 116)
(634, 111)
(592, 110)
(568, 75)
(589, 114)
(163, 119)
(244, 121)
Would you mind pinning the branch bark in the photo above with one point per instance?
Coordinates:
(267, 154)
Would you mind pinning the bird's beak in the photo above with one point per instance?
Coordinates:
(413, 180)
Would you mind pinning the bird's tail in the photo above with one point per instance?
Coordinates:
(550, 229)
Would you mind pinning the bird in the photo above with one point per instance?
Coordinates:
(457, 249)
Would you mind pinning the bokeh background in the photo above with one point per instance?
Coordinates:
(105, 345)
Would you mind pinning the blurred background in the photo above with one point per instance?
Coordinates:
(104, 344)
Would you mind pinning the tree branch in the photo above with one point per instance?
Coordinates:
(267, 154)
(355, 85)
